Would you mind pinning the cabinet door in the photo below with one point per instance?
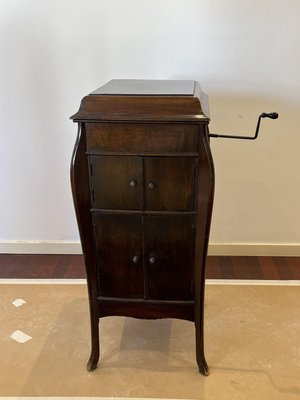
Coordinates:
(119, 255)
(169, 183)
(116, 182)
(169, 257)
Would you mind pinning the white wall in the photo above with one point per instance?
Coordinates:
(245, 55)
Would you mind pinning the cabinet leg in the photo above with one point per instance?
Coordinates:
(95, 348)
(200, 357)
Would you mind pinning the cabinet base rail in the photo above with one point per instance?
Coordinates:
(145, 309)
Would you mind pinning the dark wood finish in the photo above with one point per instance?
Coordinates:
(117, 182)
(143, 157)
(144, 107)
(82, 203)
(140, 138)
(41, 266)
(247, 268)
(147, 309)
(169, 183)
(263, 268)
(227, 267)
(205, 195)
(119, 255)
(60, 266)
(170, 257)
(268, 268)
(292, 264)
(281, 264)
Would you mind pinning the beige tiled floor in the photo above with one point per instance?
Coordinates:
(251, 335)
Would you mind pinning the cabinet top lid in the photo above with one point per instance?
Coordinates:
(145, 100)
(139, 87)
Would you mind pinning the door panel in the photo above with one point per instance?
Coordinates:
(169, 183)
(117, 182)
(119, 255)
(169, 257)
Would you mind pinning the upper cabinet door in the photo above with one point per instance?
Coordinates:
(169, 183)
(116, 182)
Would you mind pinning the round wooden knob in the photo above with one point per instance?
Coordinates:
(135, 259)
(133, 183)
(151, 185)
(152, 260)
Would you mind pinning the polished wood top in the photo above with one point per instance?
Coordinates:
(139, 87)
(145, 100)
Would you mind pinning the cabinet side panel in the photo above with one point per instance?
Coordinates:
(82, 204)
(204, 198)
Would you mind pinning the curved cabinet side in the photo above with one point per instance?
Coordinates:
(82, 204)
(205, 197)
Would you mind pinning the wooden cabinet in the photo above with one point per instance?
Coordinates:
(143, 181)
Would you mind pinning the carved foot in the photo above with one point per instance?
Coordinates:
(93, 362)
(203, 368)
(95, 345)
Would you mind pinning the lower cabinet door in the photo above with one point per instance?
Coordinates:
(169, 257)
(119, 255)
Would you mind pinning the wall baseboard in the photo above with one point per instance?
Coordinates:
(40, 247)
(215, 249)
(255, 249)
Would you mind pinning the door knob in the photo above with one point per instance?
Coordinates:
(133, 183)
(152, 260)
(151, 185)
(135, 259)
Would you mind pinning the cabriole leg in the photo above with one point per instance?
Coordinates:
(200, 357)
(95, 348)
